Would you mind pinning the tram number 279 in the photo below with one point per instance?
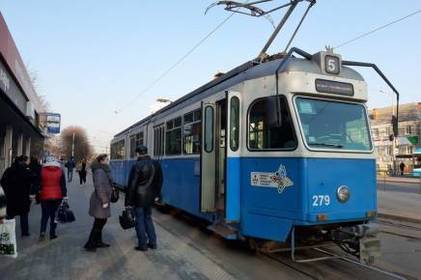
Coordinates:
(321, 200)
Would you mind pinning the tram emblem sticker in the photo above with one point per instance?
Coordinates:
(277, 179)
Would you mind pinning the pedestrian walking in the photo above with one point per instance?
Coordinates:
(99, 207)
(16, 182)
(70, 165)
(145, 182)
(52, 192)
(402, 167)
(82, 172)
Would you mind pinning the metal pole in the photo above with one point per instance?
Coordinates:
(278, 28)
(299, 25)
(73, 145)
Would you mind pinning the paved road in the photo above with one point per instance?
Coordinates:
(399, 187)
(186, 251)
(177, 257)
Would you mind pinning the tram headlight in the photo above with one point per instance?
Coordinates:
(343, 193)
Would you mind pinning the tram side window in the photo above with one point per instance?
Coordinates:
(270, 126)
(191, 132)
(117, 150)
(158, 148)
(135, 141)
(234, 123)
(173, 137)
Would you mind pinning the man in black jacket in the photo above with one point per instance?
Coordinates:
(144, 185)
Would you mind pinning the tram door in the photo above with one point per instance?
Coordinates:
(213, 157)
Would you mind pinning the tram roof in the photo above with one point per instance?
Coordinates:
(247, 71)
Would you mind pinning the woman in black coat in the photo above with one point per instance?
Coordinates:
(16, 182)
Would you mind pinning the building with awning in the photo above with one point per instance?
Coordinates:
(20, 106)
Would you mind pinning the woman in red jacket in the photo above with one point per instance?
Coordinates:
(52, 191)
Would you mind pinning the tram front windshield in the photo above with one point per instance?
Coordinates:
(334, 125)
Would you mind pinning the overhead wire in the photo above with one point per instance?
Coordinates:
(178, 62)
(377, 29)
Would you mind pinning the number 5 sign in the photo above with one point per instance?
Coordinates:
(332, 64)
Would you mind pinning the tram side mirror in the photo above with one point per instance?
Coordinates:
(395, 126)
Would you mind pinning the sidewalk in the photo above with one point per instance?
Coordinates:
(399, 206)
(397, 179)
(64, 257)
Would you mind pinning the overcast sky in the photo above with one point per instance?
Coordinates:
(94, 57)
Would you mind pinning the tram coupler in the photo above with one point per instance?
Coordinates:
(359, 240)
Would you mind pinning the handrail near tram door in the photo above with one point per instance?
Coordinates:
(374, 66)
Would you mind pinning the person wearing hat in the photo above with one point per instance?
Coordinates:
(144, 185)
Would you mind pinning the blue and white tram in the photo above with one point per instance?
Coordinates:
(279, 150)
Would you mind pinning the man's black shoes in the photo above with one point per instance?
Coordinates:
(152, 246)
(141, 248)
(102, 245)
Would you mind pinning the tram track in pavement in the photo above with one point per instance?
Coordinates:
(400, 228)
(341, 267)
(318, 270)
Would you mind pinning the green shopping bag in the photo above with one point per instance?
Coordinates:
(8, 238)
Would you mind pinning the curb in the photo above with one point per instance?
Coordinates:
(399, 218)
(381, 181)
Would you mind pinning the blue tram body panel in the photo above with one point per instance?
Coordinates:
(267, 213)
(181, 184)
(120, 170)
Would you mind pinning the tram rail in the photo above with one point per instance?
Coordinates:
(314, 272)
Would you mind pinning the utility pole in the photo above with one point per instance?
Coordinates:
(73, 144)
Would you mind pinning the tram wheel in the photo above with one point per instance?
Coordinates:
(252, 244)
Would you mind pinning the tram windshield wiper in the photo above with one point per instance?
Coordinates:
(326, 145)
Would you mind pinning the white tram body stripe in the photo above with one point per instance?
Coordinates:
(290, 84)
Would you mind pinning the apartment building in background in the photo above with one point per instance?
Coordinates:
(407, 147)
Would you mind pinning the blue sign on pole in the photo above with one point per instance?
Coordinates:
(53, 123)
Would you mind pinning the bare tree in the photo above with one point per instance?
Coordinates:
(53, 146)
(33, 75)
(82, 147)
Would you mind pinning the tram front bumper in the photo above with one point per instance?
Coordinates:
(336, 217)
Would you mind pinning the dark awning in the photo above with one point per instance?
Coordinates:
(10, 115)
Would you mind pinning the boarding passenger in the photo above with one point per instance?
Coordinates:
(144, 185)
(70, 165)
(52, 192)
(16, 182)
(100, 201)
